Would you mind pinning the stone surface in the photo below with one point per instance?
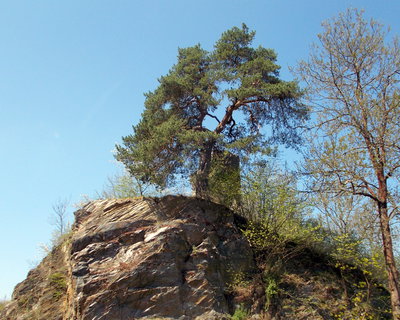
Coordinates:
(170, 258)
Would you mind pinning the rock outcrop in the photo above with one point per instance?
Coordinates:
(169, 258)
(184, 258)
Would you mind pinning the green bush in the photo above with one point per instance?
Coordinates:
(240, 314)
(271, 290)
(278, 219)
(59, 284)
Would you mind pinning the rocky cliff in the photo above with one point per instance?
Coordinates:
(173, 257)
(183, 258)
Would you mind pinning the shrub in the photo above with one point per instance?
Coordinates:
(59, 284)
(240, 314)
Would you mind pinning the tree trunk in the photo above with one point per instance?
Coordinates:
(393, 275)
(201, 183)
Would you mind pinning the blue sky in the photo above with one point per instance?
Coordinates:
(72, 78)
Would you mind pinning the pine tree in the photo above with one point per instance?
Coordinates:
(212, 102)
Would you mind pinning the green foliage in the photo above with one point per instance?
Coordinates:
(271, 290)
(363, 272)
(238, 280)
(224, 180)
(58, 282)
(26, 301)
(353, 75)
(240, 314)
(181, 127)
(348, 251)
(278, 224)
(281, 231)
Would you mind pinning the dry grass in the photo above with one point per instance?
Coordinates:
(3, 303)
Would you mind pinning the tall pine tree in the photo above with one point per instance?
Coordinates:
(210, 103)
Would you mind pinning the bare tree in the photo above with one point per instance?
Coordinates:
(353, 79)
(59, 217)
(346, 214)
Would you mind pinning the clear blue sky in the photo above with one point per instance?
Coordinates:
(72, 78)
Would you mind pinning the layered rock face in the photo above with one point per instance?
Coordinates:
(170, 258)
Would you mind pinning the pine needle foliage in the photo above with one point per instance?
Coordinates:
(211, 102)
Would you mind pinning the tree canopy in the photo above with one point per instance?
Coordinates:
(353, 77)
(212, 102)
